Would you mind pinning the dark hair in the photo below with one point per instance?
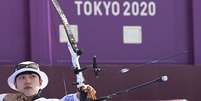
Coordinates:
(27, 72)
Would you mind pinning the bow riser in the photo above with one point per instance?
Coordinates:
(71, 45)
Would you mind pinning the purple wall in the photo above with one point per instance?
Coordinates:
(14, 31)
(167, 33)
(40, 32)
(197, 30)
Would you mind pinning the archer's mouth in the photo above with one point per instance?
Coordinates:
(27, 87)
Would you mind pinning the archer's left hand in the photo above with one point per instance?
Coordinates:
(90, 92)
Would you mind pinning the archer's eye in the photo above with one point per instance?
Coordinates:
(33, 75)
(21, 77)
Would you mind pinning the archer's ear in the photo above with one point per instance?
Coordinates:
(15, 85)
(40, 82)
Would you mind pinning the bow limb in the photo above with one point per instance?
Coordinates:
(72, 46)
(79, 75)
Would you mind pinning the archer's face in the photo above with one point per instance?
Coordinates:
(28, 84)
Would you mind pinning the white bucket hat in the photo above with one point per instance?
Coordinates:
(26, 67)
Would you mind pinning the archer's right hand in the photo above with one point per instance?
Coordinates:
(15, 97)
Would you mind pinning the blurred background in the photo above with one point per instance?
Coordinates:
(146, 38)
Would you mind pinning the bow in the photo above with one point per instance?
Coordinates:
(74, 51)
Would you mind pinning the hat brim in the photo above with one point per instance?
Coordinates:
(43, 76)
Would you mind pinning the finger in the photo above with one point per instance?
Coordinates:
(91, 93)
(21, 97)
(83, 88)
(92, 96)
(91, 89)
(10, 97)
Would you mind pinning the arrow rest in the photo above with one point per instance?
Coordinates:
(77, 71)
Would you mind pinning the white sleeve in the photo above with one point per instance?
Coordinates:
(2, 96)
(44, 99)
(70, 97)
